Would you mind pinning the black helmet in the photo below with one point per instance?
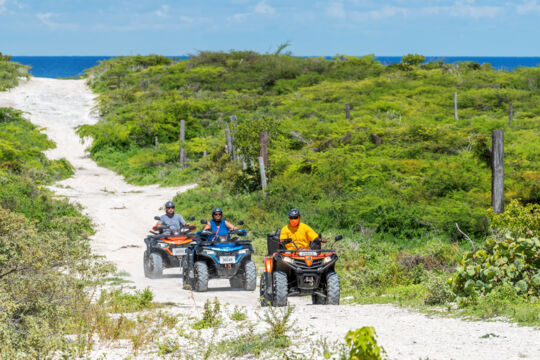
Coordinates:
(169, 204)
(294, 213)
(216, 210)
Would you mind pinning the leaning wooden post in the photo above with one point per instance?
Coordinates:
(263, 142)
(229, 141)
(155, 142)
(347, 111)
(262, 172)
(511, 113)
(182, 155)
(232, 120)
(455, 106)
(497, 171)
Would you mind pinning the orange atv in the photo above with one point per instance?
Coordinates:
(165, 248)
(305, 271)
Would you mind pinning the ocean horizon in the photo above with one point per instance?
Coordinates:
(74, 66)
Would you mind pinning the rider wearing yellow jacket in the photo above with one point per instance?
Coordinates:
(300, 233)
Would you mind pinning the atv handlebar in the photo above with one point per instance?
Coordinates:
(317, 242)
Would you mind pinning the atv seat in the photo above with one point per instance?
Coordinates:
(272, 243)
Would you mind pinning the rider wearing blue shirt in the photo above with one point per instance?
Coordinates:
(217, 225)
(170, 219)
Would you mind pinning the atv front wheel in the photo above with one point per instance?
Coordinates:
(280, 288)
(265, 292)
(146, 265)
(187, 282)
(249, 278)
(153, 265)
(317, 299)
(201, 276)
(332, 289)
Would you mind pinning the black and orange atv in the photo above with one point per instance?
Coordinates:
(299, 272)
(165, 248)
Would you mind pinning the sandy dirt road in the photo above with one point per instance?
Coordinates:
(123, 214)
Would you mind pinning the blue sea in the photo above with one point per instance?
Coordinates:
(74, 66)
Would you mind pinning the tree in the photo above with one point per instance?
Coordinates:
(413, 59)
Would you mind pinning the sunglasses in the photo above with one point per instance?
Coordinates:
(217, 214)
(170, 207)
(294, 217)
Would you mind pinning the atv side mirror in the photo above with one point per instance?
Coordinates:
(339, 237)
(203, 221)
(157, 218)
(240, 222)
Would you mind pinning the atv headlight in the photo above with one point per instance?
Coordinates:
(163, 245)
(243, 251)
(287, 260)
(327, 259)
(209, 252)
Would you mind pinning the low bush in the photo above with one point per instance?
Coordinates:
(363, 344)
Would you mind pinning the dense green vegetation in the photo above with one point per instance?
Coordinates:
(394, 178)
(44, 249)
(10, 72)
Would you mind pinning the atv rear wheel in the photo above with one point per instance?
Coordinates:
(332, 289)
(236, 282)
(249, 277)
(153, 265)
(280, 289)
(201, 276)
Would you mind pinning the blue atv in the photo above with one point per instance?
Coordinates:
(219, 257)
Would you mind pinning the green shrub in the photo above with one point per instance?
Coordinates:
(363, 344)
(211, 316)
(519, 220)
(511, 261)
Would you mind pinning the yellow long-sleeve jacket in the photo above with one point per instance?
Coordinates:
(302, 235)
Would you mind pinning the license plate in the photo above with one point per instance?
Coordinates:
(307, 253)
(227, 259)
(179, 251)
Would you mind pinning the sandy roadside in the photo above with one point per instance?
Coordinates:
(124, 213)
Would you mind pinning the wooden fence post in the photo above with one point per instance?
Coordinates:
(155, 142)
(511, 113)
(455, 106)
(229, 141)
(232, 120)
(262, 172)
(263, 142)
(182, 155)
(347, 111)
(497, 171)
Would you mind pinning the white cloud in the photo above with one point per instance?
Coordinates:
(238, 17)
(163, 11)
(468, 9)
(263, 8)
(189, 20)
(462, 9)
(2, 6)
(388, 11)
(336, 9)
(528, 7)
(47, 19)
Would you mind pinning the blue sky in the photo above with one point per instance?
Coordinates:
(351, 27)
